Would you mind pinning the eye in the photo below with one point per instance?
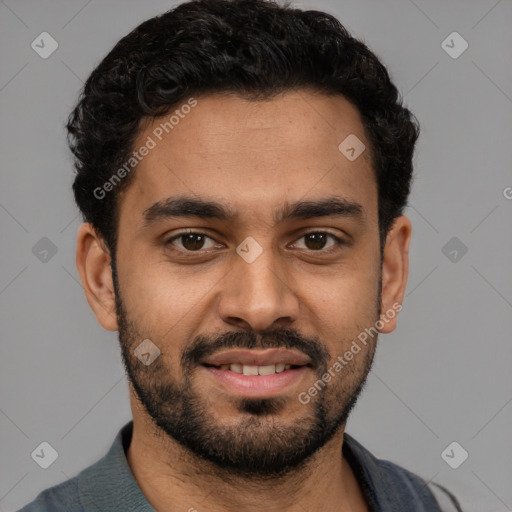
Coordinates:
(191, 241)
(316, 241)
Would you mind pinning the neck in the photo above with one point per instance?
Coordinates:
(170, 476)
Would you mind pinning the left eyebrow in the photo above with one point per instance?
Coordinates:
(329, 207)
(188, 206)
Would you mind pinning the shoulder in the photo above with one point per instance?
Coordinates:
(63, 496)
(101, 486)
(388, 484)
(423, 490)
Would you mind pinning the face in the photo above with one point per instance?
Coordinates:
(276, 251)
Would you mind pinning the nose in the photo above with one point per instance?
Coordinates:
(258, 294)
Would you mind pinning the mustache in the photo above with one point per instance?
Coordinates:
(206, 345)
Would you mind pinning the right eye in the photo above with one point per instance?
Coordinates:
(191, 241)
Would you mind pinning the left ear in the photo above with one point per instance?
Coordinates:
(395, 271)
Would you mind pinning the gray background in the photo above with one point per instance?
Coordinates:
(442, 376)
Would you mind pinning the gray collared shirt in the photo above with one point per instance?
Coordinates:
(109, 485)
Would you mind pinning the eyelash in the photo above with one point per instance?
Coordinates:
(339, 241)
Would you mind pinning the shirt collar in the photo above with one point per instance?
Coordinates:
(386, 486)
(110, 480)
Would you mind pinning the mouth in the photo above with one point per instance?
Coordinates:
(248, 369)
(257, 381)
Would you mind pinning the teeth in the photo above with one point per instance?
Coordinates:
(238, 368)
(267, 370)
(248, 369)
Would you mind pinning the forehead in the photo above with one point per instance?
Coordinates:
(252, 155)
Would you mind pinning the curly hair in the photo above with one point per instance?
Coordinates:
(253, 48)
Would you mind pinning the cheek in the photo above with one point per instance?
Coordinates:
(348, 290)
(340, 306)
(165, 305)
(163, 292)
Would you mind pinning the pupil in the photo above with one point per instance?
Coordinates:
(189, 238)
(318, 239)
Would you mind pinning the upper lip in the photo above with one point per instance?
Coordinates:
(258, 357)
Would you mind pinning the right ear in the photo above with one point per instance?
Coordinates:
(93, 264)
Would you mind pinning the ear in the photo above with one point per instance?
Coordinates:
(93, 264)
(395, 271)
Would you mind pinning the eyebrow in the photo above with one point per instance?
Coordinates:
(187, 206)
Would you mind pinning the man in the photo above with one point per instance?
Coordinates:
(242, 169)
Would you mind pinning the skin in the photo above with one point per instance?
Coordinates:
(252, 157)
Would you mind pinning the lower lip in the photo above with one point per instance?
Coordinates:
(257, 385)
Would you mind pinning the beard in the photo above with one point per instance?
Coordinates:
(264, 440)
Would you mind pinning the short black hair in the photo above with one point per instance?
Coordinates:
(253, 48)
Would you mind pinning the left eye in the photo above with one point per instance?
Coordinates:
(193, 242)
(317, 240)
